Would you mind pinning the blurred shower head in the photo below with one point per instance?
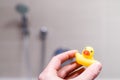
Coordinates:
(22, 9)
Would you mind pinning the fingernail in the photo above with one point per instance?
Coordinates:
(98, 65)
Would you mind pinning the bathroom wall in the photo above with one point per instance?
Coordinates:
(71, 24)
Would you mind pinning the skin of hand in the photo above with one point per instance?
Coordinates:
(72, 71)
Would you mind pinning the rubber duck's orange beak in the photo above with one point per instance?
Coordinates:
(86, 52)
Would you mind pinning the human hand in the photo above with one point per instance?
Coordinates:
(72, 71)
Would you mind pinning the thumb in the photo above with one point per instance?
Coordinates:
(91, 72)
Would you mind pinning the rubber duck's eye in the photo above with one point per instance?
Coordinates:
(91, 51)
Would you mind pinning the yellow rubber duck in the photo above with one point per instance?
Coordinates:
(86, 58)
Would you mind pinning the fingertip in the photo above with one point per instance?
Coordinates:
(91, 72)
(75, 51)
(98, 65)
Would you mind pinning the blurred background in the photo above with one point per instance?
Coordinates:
(53, 25)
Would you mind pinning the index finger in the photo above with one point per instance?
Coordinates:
(56, 61)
